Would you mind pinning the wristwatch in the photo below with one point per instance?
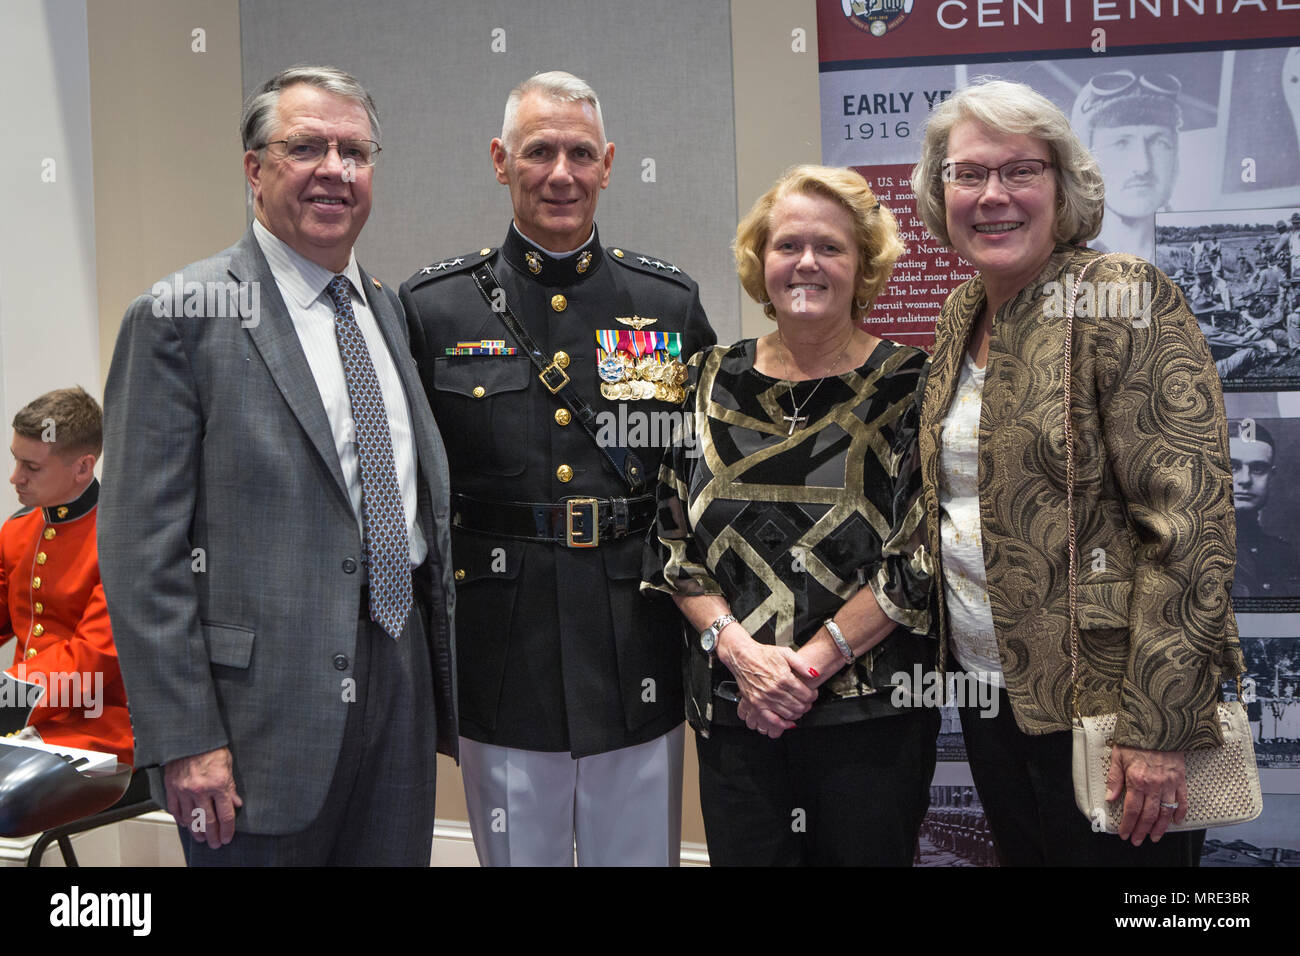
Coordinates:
(709, 636)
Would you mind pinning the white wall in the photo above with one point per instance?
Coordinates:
(49, 331)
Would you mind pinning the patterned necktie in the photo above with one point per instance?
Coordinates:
(384, 519)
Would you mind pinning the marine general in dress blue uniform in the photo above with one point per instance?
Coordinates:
(571, 697)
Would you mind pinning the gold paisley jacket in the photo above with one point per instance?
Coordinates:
(1153, 500)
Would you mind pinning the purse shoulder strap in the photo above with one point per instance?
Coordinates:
(1069, 490)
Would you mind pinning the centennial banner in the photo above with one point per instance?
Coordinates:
(1192, 109)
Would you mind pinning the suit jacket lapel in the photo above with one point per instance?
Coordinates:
(277, 342)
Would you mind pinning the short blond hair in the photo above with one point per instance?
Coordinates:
(1013, 108)
(874, 230)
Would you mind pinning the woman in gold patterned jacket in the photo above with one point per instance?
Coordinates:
(1005, 183)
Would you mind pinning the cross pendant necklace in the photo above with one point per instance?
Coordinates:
(794, 418)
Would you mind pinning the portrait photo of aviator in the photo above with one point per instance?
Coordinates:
(1268, 565)
(1151, 124)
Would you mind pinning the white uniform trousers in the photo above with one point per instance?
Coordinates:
(531, 807)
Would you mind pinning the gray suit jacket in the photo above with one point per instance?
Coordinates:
(216, 438)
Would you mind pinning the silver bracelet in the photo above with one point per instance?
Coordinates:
(838, 637)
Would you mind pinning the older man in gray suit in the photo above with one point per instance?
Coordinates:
(273, 534)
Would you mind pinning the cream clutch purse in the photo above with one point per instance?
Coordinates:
(1222, 783)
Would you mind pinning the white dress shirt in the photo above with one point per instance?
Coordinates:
(304, 287)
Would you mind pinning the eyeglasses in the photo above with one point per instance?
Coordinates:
(1257, 469)
(1108, 86)
(1017, 174)
(310, 150)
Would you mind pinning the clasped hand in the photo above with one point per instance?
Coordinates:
(776, 686)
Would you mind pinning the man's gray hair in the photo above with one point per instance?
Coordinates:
(258, 121)
(555, 85)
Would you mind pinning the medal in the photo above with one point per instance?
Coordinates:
(610, 370)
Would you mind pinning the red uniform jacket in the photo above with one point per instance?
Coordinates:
(52, 601)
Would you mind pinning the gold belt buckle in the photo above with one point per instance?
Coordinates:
(582, 523)
(547, 371)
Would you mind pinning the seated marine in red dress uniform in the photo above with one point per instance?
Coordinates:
(51, 598)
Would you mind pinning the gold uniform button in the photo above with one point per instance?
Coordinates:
(561, 359)
(38, 630)
(562, 416)
(460, 574)
(479, 391)
(31, 652)
(564, 473)
(618, 253)
(485, 252)
(49, 534)
(559, 303)
(36, 584)
(41, 557)
(39, 608)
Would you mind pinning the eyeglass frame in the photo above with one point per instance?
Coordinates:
(949, 164)
(335, 144)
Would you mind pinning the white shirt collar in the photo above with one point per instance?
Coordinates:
(298, 276)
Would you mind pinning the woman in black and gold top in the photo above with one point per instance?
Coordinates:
(790, 535)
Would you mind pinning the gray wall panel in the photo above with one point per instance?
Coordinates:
(662, 69)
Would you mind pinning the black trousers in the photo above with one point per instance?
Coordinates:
(846, 795)
(379, 809)
(1026, 785)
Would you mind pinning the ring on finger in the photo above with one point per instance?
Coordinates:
(1168, 806)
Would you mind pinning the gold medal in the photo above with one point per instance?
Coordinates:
(661, 392)
(609, 390)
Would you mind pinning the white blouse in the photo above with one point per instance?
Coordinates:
(973, 641)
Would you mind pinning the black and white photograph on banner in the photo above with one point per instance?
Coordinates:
(1262, 162)
(1271, 839)
(1271, 694)
(955, 831)
(951, 745)
(1263, 451)
(1236, 268)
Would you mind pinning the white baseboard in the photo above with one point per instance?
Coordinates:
(151, 840)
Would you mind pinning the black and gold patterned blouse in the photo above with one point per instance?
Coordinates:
(788, 527)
